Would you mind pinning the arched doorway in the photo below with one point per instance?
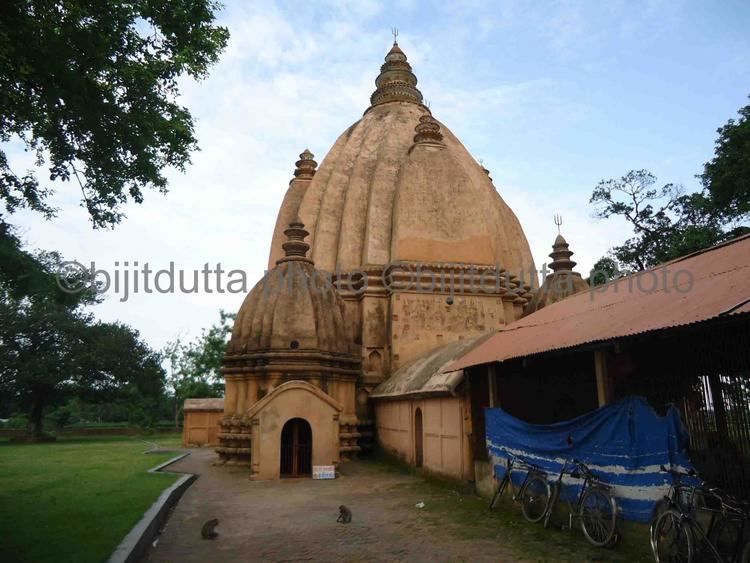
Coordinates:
(296, 448)
(418, 437)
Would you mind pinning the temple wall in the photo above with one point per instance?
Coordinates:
(243, 391)
(444, 440)
(421, 322)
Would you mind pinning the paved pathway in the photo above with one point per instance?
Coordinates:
(295, 519)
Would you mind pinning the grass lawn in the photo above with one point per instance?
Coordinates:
(77, 498)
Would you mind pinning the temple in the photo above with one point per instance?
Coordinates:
(401, 301)
(388, 261)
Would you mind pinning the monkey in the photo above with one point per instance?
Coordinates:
(207, 532)
(345, 515)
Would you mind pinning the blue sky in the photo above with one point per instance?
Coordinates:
(552, 96)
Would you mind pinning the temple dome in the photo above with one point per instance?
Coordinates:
(294, 307)
(398, 185)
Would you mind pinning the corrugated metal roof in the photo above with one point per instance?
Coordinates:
(428, 375)
(204, 405)
(698, 287)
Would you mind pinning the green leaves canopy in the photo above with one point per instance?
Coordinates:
(727, 176)
(91, 86)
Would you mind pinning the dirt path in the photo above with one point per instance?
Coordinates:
(295, 520)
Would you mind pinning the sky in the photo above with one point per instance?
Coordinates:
(552, 97)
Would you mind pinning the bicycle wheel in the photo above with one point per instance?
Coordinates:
(598, 516)
(726, 537)
(673, 539)
(555, 494)
(661, 506)
(535, 497)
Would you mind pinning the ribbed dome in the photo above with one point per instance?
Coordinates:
(293, 307)
(393, 187)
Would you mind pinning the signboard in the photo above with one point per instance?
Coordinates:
(324, 472)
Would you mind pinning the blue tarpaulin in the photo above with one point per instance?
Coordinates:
(624, 444)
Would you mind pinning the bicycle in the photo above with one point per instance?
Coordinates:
(678, 535)
(531, 499)
(595, 506)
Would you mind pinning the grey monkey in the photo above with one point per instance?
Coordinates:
(207, 531)
(345, 515)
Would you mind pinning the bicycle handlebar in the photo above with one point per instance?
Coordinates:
(517, 458)
(676, 473)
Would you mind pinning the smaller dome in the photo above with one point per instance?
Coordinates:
(561, 283)
(294, 307)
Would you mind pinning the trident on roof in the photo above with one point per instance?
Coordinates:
(558, 222)
(394, 31)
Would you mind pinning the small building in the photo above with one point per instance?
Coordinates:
(423, 413)
(201, 422)
(675, 334)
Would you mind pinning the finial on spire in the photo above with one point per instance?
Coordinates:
(428, 131)
(295, 247)
(396, 82)
(306, 166)
(561, 252)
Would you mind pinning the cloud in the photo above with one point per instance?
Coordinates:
(296, 75)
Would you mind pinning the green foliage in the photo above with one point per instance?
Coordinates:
(727, 176)
(666, 222)
(604, 270)
(91, 89)
(52, 350)
(203, 357)
(195, 368)
(25, 275)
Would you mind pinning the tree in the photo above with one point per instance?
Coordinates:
(203, 357)
(50, 353)
(727, 176)
(666, 222)
(194, 369)
(604, 270)
(52, 350)
(90, 88)
(24, 274)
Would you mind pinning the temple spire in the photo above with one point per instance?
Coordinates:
(306, 166)
(396, 82)
(560, 255)
(428, 131)
(295, 247)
